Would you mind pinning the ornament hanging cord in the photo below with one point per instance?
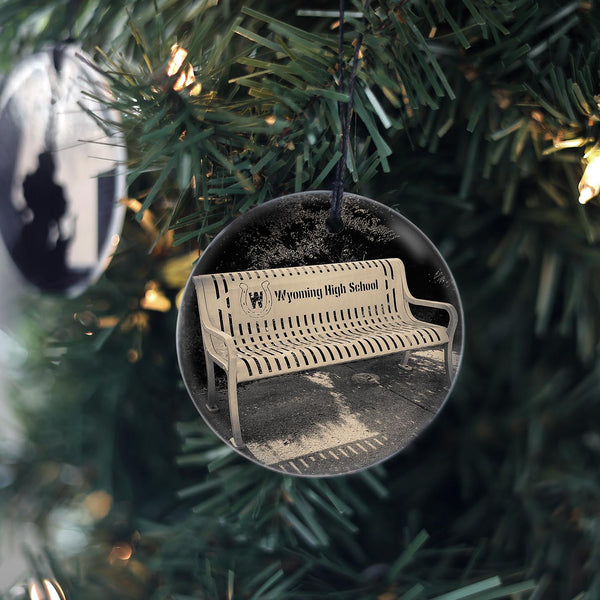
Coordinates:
(334, 220)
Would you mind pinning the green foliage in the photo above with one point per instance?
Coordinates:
(266, 119)
(27, 26)
(86, 416)
(306, 527)
(471, 117)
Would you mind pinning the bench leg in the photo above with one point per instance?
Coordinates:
(448, 361)
(211, 403)
(234, 414)
(404, 359)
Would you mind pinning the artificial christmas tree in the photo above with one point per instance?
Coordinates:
(475, 120)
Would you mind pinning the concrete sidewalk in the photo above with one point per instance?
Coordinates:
(337, 419)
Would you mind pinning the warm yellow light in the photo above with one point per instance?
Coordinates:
(589, 186)
(107, 322)
(133, 355)
(53, 590)
(120, 552)
(34, 592)
(154, 299)
(98, 504)
(178, 55)
(186, 76)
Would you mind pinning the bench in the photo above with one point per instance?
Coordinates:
(258, 324)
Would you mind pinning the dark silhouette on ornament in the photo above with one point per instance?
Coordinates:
(41, 249)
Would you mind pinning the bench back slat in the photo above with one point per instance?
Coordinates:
(327, 297)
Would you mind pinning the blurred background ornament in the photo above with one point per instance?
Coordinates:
(61, 170)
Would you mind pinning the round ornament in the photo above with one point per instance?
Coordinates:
(316, 353)
(62, 170)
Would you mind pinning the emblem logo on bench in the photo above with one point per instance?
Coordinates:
(256, 303)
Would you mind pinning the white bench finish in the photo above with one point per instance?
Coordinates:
(258, 324)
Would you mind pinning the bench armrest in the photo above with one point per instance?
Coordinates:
(452, 314)
(212, 333)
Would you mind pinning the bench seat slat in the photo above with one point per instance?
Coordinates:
(322, 348)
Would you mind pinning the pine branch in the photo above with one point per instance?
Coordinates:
(499, 100)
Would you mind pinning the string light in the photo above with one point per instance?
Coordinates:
(186, 76)
(51, 591)
(154, 299)
(98, 504)
(121, 552)
(34, 592)
(589, 186)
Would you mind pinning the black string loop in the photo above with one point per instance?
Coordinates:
(334, 221)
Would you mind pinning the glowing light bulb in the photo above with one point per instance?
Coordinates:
(154, 299)
(186, 76)
(53, 590)
(589, 186)
(34, 592)
(122, 552)
(178, 55)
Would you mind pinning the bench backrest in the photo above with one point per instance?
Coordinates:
(248, 303)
